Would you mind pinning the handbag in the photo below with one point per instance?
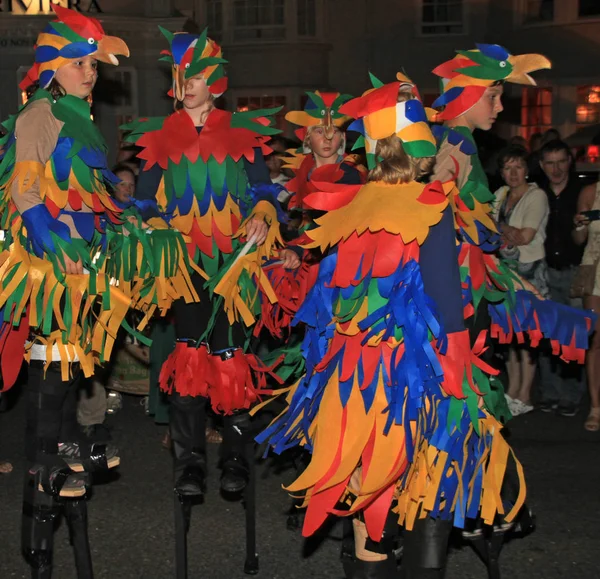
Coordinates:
(583, 281)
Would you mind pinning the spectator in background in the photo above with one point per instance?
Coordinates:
(95, 401)
(550, 135)
(536, 175)
(517, 141)
(562, 386)
(274, 162)
(124, 190)
(587, 231)
(521, 210)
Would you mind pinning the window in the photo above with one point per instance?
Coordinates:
(124, 89)
(442, 17)
(589, 8)
(259, 19)
(536, 110)
(307, 18)
(214, 18)
(539, 11)
(588, 104)
(252, 103)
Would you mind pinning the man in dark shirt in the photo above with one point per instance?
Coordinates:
(562, 386)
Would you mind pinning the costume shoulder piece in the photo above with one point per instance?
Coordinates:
(174, 139)
(471, 198)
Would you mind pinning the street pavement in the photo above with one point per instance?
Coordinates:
(131, 515)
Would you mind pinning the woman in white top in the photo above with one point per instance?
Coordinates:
(521, 209)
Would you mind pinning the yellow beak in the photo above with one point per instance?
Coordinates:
(108, 47)
(523, 64)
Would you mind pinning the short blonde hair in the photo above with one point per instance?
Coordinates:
(394, 165)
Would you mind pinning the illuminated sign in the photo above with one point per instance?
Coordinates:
(44, 6)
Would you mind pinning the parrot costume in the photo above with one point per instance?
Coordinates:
(209, 182)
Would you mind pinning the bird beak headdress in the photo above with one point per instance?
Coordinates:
(191, 55)
(322, 109)
(72, 36)
(379, 115)
(465, 78)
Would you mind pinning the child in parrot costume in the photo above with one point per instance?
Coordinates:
(74, 263)
(321, 157)
(389, 363)
(205, 168)
(493, 295)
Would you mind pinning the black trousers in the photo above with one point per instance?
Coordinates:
(191, 321)
(51, 410)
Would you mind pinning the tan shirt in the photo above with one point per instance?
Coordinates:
(36, 132)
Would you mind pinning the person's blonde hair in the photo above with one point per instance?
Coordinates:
(394, 165)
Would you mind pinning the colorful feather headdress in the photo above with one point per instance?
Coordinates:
(72, 36)
(379, 115)
(190, 55)
(465, 77)
(322, 109)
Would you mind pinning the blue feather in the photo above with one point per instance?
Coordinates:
(494, 51)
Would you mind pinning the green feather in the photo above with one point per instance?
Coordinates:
(375, 81)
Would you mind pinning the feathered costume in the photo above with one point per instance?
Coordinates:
(203, 188)
(515, 309)
(56, 203)
(291, 286)
(389, 364)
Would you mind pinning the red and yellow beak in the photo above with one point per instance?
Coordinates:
(108, 47)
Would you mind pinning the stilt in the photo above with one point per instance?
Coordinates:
(347, 552)
(488, 546)
(37, 527)
(251, 563)
(183, 513)
(77, 519)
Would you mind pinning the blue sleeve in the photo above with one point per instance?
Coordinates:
(146, 188)
(441, 274)
(351, 175)
(257, 172)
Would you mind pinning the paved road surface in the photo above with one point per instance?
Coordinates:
(131, 519)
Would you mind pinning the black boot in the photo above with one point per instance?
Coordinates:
(237, 432)
(386, 569)
(188, 433)
(426, 549)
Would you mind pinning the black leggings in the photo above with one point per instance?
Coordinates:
(191, 321)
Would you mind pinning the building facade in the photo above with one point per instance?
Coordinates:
(278, 49)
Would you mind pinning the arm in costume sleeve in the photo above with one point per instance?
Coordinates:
(264, 192)
(351, 175)
(145, 191)
(36, 132)
(441, 275)
(257, 171)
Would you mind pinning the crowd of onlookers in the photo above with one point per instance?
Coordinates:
(553, 241)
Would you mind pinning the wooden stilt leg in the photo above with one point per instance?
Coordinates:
(183, 512)
(37, 528)
(77, 518)
(251, 564)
